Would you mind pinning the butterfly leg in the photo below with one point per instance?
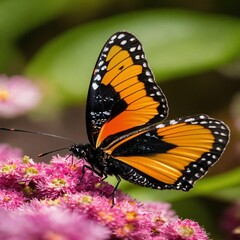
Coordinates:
(72, 161)
(104, 177)
(90, 168)
(115, 189)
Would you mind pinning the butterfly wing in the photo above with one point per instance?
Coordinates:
(123, 95)
(170, 155)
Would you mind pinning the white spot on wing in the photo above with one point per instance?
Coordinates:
(189, 119)
(121, 36)
(161, 125)
(173, 122)
(100, 63)
(97, 78)
(123, 42)
(106, 48)
(94, 86)
(132, 49)
(113, 37)
(148, 73)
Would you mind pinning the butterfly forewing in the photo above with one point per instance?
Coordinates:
(123, 95)
(173, 154)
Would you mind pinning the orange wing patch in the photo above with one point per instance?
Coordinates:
(153, 167)
(195, 138)
(113, 51)
(191, 141)
(122, 74)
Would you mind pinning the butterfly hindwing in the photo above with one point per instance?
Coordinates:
(123, 95)
(173, 154)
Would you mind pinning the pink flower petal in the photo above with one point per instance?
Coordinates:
(17, 96)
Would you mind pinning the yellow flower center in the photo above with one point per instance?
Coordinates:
(124, 231)
(28, 190)
(130, 216)
(4, 95)
(50, 202)
(8, 168)
(54, 236)
(26, 159)
(31, 171)
(6, 198)
(86, 199)
(107, 217)
(186, 231)
(59, 182)
(128, 228)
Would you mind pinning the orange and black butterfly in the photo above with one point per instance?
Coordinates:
(125, 110)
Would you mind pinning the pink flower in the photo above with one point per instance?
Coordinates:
(183, 229)
(8, 153)
(57, 199)
(49, 223)
(161, 212)
(17, 96)
(11, 199)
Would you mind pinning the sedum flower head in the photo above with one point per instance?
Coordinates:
(54, 201)
(17, 96)
(42, 222)
(183, 229)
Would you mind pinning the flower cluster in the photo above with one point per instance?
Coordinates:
(48, 201)
(230, 221)
(17, 96)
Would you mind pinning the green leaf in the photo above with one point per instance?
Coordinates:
(177, 43)
(230, 194)
(19, 17)
(207, 186)
(214, 186)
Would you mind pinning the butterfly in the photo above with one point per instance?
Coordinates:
(127, 135)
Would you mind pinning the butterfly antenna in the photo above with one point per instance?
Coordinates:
(39, 133)
(56, 150)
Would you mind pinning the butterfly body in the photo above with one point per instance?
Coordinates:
(97, 159)
(128, 137)
(104, 165)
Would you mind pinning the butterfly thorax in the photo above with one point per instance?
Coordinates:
(95, 157)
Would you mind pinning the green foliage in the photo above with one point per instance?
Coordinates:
(177, 43)
(18, 18)
(215, 186)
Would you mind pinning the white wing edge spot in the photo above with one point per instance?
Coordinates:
(121, 36)
(95, 86)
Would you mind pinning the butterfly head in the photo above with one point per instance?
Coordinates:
(80, 150)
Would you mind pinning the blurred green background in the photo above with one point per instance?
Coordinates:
(193, 47)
